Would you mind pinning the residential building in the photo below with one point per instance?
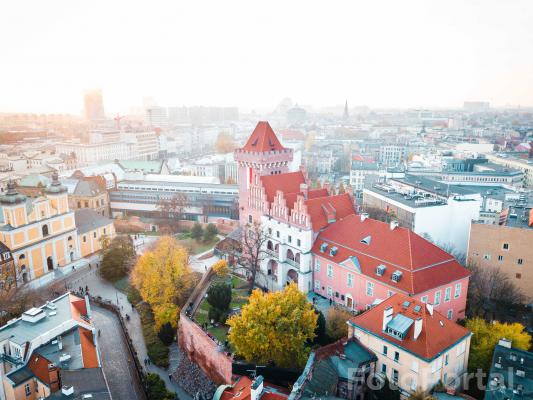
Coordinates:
(511, 373)
(338, 370)
(506, 245)
(515, 161)
(363, 169)
(87, 192)
(360, 262)
(391, 154)
(251, 389)
(94, 230)
(437, 211)
(51, 351)
(8, 271)
(156, 117)
(40, 232)
(416, 346)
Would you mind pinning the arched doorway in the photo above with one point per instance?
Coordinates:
(50, 263)
(292, 276)
(71, 256)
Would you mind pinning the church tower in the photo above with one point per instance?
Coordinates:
(262, 154)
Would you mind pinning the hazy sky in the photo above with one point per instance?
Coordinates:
(253, 53)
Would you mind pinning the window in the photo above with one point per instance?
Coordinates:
(500, 258)
(520, 261)
(457, 290)
(86, 204)
(385, 350)
(384, 369)
(518, 276)
(270, 231)
(317, 285)
(290, 239)
(27, 389)
(79, 204)
(350, 280)
(330, 292)
(330, 271)
(94, 234)
(317, 265)
(447, 294)
(505, 246)
(450, 314)
(277, 234)
(446, 359)
(370, 289)
(395, 376)
(437, 298)
(424, 299)
(44, 230)
(104, 231)
(396, 356)
(84, 239)
(486, 256)
(414, 366)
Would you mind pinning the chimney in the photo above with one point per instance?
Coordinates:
(393, 225)
(387, 316)
(257, 388)
(505, 343)
(418, 328)
(327, 186)
(305, 190)
(364, 216)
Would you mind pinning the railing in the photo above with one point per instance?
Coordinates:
(272, 253)
(293, 263)
(12, 360)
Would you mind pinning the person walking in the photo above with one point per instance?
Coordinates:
(170, 377)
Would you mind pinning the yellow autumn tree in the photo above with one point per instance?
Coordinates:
(274, 326)
(164, 278)
(486, 336)
(336, 326)
(221, 268)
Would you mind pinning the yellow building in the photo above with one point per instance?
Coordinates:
(40, 232)
(94, 230)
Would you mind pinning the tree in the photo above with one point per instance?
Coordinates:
(118, 258)
(221, 268)
(274, 327)
(486, 336)
(250, 252)
(225, 143)
(321, 337)
(210, 232)
(491, 294)
(105, 241)
(219, 296)
(336, 326)
(164, 279)
(166, 333)
(379, 214)
(197, 231)
(156, 389)
(173, 207)
(421, 395)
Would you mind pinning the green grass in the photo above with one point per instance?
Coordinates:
(157, 351)
(197, 247)
(220, 332)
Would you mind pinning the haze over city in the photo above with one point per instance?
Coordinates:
(250, 55)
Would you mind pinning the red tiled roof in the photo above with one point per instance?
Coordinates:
(263, 139)
(438, 332)
(423, 265)
(288, 183)
(314, 193)
(243, 387)
(88, 349)
(341, 204)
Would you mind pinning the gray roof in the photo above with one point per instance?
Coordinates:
(87, 219)
(71, 346)
(20, 375)
(400, 323)
(84, 381)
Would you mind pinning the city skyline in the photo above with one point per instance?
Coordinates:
(420, 55)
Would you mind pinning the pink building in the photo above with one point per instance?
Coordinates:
(359, 262)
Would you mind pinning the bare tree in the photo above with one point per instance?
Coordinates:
(491, 294)
(379, 214)
(173, 208)
(250, 252)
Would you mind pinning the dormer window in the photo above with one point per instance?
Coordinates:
(333, 251)
(380, 270)
(323, 247)
(366, 240)
(396, 276)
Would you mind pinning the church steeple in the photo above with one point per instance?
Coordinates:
(346, 115)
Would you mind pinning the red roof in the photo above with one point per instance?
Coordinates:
(39, 366)
(241, 389)
(423, 265)
(288, 183)
(438, 333)
(263, 139)
(341, 205)
(88, 349)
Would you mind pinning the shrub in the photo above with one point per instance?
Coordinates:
(197, 231)
(214, 314)
(221, 268)
(321, 337)
(157, 351)
(156, 389)
(210, 232)
(219, 296)
(166, 334)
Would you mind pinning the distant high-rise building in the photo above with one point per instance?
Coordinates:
(94, 105)
(156, 117)
(346, 115)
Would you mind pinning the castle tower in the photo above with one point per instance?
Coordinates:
(262, 154)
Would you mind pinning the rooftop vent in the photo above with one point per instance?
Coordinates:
(33, 315)
(67, 390)
(380, 270)
(396, 276)
(364, 216)
(333, 251)
(323, 247)
(51, 306)
(64, 357)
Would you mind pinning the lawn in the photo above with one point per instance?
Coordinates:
(239, 295)
(196, 247)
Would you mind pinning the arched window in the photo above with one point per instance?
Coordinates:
(269, 245)
(69, 238)
(45, 230)
(297, 258)
(22, 257)
(290, 255)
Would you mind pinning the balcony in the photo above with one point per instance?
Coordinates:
(272, 253)
(293, 263)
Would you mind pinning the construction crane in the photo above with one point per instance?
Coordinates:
(117, 120)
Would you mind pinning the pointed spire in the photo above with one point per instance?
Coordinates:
(346, 114)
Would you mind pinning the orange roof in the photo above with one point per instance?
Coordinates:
(263, 139)
(78, 308)
(88, 349)
(288, 183)
(423, 265)
(242, 387)
(341, 205)
(438, 333)
(39, 366)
